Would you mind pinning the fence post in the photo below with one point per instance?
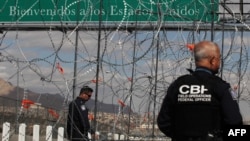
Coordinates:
(122, 137)
(60, 134)
(116, 137)
(22, 131)
(49, 133)
(36, 132)
(6, 131)
(110, 136)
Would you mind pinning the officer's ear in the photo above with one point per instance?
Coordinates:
(213, 60)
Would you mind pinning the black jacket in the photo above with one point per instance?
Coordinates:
(197, 105)
(78, 122)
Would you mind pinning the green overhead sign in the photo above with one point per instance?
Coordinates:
(70, 11)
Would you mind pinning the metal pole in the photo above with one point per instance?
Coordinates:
(98, 64)
(212, 20)
(241, 50)
(75, 65)
(222, 42)
(17, 96)
(75, 69)
(132, 80)
(155, 87)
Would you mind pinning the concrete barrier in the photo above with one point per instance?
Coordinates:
(7, 134)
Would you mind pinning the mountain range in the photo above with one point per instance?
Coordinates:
(10, 95)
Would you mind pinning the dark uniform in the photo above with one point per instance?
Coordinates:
(197, 106)
(78, 123)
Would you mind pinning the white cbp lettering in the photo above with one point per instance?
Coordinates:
(181, 89)
(203, 89)
(193, 89)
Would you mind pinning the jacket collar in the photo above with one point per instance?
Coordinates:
(204, 70)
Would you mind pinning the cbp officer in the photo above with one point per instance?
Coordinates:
(78, 125)
(198, 105)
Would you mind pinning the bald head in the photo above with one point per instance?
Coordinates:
(207, 54)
